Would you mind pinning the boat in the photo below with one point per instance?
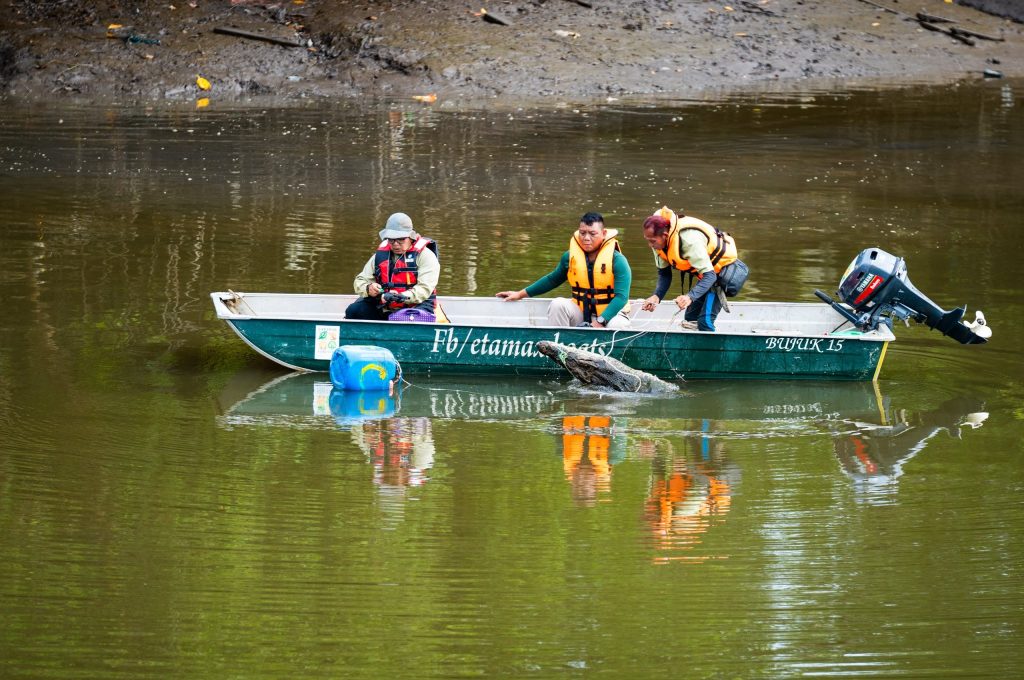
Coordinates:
(489, 336)
(843, 339)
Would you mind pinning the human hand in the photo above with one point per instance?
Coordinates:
(650, 303)
(511, 295)
(683, 301)
(373, 290)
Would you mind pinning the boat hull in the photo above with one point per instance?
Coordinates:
(307, 345)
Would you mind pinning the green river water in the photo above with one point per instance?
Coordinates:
(171, 505)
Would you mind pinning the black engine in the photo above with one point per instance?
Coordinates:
(875, 288)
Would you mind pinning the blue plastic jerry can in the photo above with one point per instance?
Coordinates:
(363, 367)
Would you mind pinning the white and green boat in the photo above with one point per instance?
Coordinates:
(838, 340)
(765, 340)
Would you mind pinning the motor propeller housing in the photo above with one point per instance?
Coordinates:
(875, 288)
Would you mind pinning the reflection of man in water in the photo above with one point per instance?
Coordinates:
(681, 500)
(685, 498)
(588, 456)
(401, 451)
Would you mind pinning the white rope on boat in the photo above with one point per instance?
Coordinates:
(636, 334)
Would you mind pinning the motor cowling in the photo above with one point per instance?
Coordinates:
(875, 289)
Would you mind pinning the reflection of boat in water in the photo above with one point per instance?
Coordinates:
(308, 399)
(871, 440)
(683, 435)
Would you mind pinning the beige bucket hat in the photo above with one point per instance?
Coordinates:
(398, 225)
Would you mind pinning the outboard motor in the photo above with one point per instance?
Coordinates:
(876, 288)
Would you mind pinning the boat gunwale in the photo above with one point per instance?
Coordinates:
(882, 334)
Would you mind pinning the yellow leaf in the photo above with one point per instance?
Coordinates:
(111, 27)
(428, 98)
(202, 83)
(202, 103)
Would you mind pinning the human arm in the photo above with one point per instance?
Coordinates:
(623, 275)
(664, 282)
(703, 285)
(694, 247)
(365, 284)
(548, 282)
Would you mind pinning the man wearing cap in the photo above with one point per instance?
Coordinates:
(599, 275)
(402, 273)
(695, 247)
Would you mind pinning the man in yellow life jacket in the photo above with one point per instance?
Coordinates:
(695, 247)
(599, 275)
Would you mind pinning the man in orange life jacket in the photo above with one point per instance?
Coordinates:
(695, 247)
(402, 273)
(599, 275)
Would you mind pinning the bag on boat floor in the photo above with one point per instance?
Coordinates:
(412, 314)
(732, 277)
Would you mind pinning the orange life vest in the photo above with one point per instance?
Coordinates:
(592, 289)
(721, 246)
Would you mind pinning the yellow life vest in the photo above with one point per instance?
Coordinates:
(721, 246)
(592, 295)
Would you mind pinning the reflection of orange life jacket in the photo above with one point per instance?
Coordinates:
(386, 446)
(403, 275)
(390, 451)
(721, 246)
(665, 493)
(592, 293)
(667, 496)
(590, 435)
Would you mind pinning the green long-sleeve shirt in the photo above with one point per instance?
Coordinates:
(560, 274)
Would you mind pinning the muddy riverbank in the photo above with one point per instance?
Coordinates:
(557, 49)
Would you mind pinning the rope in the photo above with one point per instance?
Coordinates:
(639, 334)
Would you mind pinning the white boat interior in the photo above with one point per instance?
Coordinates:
(743, 318)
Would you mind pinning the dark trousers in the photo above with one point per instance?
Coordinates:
(704, 310)
(369, 309)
